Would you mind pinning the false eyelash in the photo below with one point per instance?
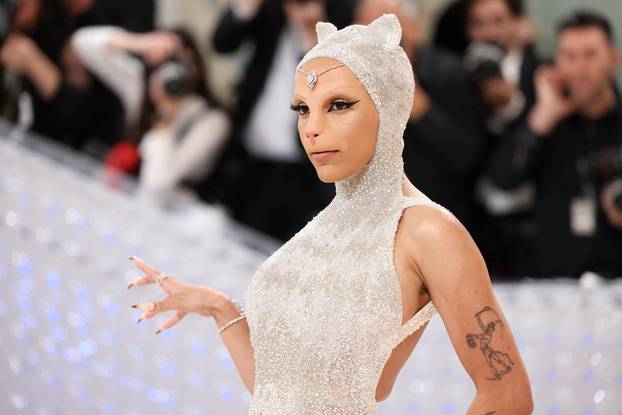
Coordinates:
(347, 104)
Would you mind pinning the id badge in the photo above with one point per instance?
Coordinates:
(583, 216)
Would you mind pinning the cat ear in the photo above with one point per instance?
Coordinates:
(388, 26)
(324, 29)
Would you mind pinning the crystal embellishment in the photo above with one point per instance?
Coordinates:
(325, 310)
(311, 79)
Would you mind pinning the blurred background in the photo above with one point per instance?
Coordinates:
(162, 129)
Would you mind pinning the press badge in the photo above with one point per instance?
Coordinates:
(583, 216)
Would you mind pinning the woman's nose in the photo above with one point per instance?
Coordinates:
(313, 126)
(312, 135)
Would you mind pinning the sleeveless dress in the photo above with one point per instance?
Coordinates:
(325, 310)
(325, 313)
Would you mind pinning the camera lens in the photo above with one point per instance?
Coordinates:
(616, 193)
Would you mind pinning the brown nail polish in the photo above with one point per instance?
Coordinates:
(131, 258)
(130, 286)
(159, 331)
(135, 306)
(139, 320)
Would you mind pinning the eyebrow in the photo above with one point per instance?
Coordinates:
(331, 92)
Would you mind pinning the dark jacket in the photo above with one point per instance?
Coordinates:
(230, 181)
(263, 30)
(530, 64)
(442, 151)
(553, 163)
(134, 16)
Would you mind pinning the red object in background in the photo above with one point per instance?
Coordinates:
(123, 159)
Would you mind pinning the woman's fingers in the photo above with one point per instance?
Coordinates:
(174, 320)
(152, 309)
(161, 306)
(147, 315)
(150, 272)
(140, 281)
(170, 285)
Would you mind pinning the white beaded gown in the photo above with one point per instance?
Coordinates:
(325, 310)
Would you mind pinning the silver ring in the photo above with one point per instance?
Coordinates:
(162, 277)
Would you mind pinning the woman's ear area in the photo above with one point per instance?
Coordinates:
(388, 25)
(324, 30)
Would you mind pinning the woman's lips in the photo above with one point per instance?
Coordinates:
(323, 155)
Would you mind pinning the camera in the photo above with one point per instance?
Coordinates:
(177, 77)
(606, 165)
(616, 193)
(483, 62)
(7, 11)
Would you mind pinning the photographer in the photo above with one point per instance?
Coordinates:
(160, 79)
(45, 85)
(500, 58)
(265, 158)
(443, 138)
(570, 145)
(501, 63)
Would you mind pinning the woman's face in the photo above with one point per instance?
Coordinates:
(337, 121)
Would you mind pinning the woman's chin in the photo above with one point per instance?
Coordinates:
(328, 174)
(324, 173)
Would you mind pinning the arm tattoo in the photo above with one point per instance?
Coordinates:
(491, 413)
(500, 363)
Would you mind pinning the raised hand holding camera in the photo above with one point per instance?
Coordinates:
(552, 104)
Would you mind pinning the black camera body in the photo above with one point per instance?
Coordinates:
(616, 193)
(177, 77)
(606, 166)
(483, 62)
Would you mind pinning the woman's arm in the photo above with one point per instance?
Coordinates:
(200, 148)
(462, 293)
(22, 55)
(237, 340)
(98, 47)
(167, 163)
(184, 298)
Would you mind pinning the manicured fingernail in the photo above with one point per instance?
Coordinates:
(145, 306)
(159, 331)
(134, 282)
(139, 320)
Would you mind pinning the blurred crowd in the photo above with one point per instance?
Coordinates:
(525, 150)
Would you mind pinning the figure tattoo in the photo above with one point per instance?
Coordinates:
(500, 363)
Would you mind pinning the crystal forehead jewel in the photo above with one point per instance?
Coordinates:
(312, 75)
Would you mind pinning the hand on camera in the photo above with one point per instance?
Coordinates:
(553, 104)
(612, 212)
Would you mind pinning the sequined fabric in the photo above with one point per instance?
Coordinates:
(325, 309)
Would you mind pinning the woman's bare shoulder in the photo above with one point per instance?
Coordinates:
(429, 222)
(432, 221)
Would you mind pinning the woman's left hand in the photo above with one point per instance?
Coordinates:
(182, 297)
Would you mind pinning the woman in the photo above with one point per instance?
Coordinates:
(168, 103)
(331, 317)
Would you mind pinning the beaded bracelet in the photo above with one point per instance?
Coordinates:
(235, 320)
